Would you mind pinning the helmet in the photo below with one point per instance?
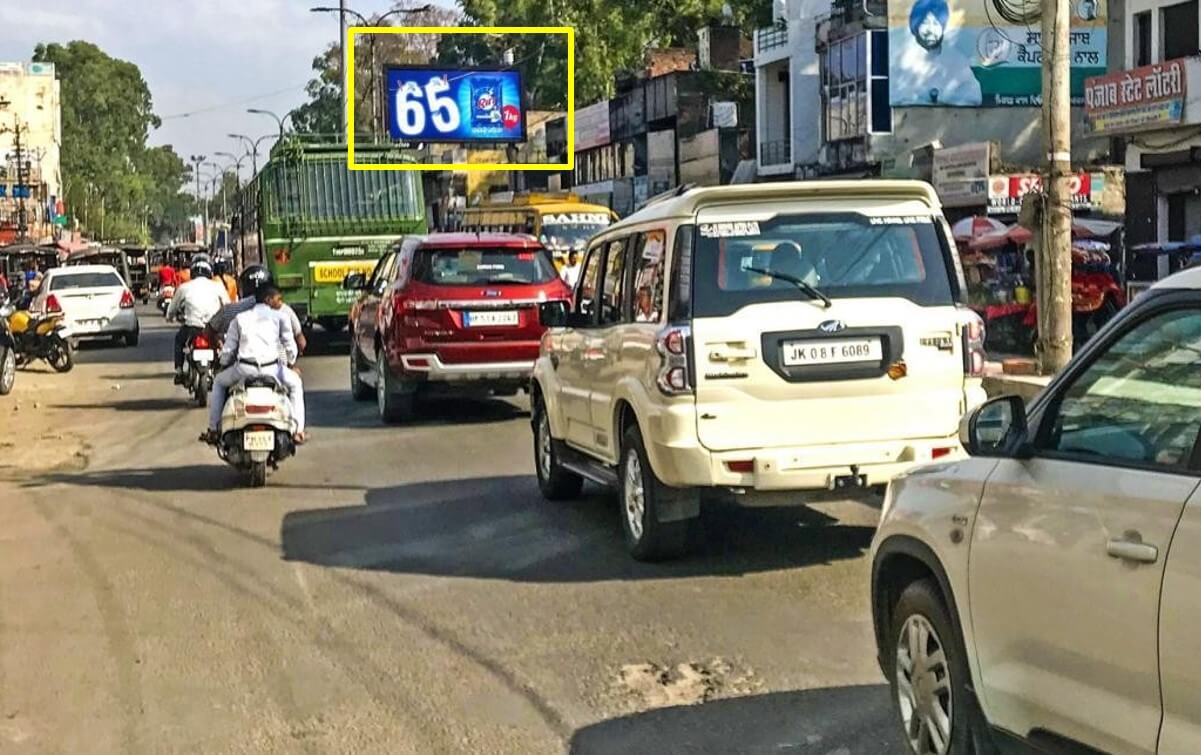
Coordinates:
(202, 269)
(253, 277)
(222, 266)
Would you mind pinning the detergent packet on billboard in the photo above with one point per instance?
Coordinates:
(485, 102)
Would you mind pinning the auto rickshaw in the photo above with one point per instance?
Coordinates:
(137, 258)
(15, 258)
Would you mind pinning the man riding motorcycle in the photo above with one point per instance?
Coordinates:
(195, 302)
(253, 279)
(259, 342)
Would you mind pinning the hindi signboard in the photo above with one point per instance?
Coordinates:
(1144, 98)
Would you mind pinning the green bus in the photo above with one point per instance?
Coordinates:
(311, 221)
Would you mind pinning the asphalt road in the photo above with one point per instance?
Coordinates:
(400, 590)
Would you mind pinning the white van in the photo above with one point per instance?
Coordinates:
(761, 339)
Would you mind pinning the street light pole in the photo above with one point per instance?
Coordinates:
(237, 162)
(253, 149)
(372, 92)
(279, 121)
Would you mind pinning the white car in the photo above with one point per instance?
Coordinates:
(1046, 592)
(94, 300)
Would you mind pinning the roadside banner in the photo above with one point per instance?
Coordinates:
(984, 53)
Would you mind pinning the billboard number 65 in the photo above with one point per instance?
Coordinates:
(414, 103)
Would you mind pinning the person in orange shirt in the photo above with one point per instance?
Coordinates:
(223, 270)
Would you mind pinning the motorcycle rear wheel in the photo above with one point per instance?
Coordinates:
(8, 370)
(204, 383)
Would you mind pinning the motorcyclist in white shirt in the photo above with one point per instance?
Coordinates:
(259, 342)
(194, 303)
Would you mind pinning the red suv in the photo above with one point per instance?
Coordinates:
(449, 312)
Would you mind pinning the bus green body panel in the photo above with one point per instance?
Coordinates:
(311, 221)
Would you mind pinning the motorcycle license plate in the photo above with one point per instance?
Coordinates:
(202, 355)
(258, 441)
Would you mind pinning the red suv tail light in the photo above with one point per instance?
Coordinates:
(52, 305)
(126, 299)
(974, 355)
(201, 341)
(675, 371)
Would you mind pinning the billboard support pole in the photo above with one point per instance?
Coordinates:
(1054, 270)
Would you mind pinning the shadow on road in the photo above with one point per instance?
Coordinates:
(336, 409)
(164, 375)
(192, 478)
(851, 720)
(501, 528)
(136, 404)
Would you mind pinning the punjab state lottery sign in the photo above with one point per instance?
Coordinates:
(1144, 98)
(984, 53)
(455, 105)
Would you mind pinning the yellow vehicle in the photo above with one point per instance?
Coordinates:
(560, 220)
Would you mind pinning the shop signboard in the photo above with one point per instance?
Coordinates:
(1005, 192)
(960, 174)
(592, 126)
(1143, 98)
(982, 53)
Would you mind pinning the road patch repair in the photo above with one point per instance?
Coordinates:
(645, 686)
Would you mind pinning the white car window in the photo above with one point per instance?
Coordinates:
(85, 280)
(1140, 401)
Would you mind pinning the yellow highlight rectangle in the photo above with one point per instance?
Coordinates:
(569, 31)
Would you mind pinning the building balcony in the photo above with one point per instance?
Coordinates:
(771, 37)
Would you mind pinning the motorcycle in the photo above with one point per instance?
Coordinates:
(256, 427)
(199, 356)
(8, 353)
(42, 337)
(163, 301)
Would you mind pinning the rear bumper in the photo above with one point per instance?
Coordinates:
(126, 321)
(806, 468)
(430, 368)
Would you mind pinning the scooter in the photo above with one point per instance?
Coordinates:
(256, 427)
(198, 358)
(165, 294)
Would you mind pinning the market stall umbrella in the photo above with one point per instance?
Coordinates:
(975, 227)
(1082, 228)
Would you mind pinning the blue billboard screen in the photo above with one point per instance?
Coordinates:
(441, 105)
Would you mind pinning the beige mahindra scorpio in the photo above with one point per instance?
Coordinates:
(767, 340)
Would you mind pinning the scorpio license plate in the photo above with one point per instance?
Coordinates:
(258, 441)
(204, 356)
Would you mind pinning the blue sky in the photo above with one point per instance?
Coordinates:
(212, 55)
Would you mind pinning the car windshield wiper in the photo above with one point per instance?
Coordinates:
(800, 283)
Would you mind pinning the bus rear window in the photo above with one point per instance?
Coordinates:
(475, 267)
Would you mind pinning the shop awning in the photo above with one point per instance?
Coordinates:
(1082, 228)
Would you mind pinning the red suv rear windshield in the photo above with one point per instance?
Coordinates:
(476, 266)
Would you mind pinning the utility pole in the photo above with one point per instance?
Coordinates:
(197, 161)
(1054, 269)
(22, 182)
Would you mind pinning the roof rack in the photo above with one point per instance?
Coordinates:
(669, 194)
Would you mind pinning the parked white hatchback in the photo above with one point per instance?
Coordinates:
(1046, 592)
(94, 300)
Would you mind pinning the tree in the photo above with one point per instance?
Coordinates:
(111, 180)
(322, 113)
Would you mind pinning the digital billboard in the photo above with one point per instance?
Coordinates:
(462, 105)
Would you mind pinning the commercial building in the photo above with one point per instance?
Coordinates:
(687, 116)
(30, 151)
(1150, 107)
(868, 88)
